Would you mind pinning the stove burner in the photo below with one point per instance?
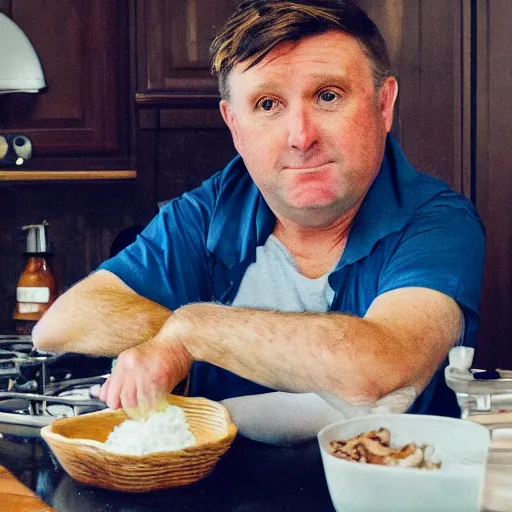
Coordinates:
(37, 387)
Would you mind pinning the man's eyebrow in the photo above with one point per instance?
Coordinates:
(319, 80)
(339, 79)
(265, 86)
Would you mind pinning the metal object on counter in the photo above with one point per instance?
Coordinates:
(32, 411)
(38, 387)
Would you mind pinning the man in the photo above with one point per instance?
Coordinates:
(317, 269)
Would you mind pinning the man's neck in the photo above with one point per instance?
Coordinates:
(315, 250)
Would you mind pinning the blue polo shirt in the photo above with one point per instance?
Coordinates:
(411, 230)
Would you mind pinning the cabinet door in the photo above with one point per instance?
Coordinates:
(76, 41)
(174, 37)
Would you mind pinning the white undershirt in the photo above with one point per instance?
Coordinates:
(274, 282)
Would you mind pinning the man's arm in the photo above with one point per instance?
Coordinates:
(404, 337)
(99, 315)
(401, 342)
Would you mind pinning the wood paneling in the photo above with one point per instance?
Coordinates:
(187, 157)
(182, 138)
(428, 47)
(147, 175)
(77, 43)
(493, 143)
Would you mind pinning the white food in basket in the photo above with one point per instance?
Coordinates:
(161, 432)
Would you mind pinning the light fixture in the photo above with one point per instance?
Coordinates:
(20, 68)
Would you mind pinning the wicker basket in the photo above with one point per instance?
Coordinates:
(77, 444)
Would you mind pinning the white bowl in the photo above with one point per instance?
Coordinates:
(460, 445)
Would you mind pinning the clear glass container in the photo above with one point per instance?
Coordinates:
(477, 395)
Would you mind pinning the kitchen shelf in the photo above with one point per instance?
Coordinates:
(89, 175)
(164, 99)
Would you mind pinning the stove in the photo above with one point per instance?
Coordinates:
(38, 387)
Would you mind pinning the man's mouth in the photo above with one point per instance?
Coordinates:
(310, 167)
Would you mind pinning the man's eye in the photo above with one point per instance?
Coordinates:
(267, 104)
(328, 96)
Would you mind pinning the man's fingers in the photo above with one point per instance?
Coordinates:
(141, 381)
(146, 395)
(114, 391)
(154, 398)
(128, 394)
(104, 390)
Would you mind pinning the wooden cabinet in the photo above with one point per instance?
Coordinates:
(83, 48)
(84, 121)
(173, 48)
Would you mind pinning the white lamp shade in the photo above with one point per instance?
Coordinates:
(20, 69)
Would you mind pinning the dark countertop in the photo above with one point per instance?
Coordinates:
(251, 477)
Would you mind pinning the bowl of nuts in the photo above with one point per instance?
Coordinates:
(404, 462)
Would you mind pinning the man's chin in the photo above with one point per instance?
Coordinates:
(317, 215)
(314, 212)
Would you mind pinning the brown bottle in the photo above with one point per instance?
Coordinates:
(37, 289)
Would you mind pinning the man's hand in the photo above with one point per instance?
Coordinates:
(144, 375)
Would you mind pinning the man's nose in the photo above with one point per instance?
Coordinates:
(302, 129)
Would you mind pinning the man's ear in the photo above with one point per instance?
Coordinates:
(230, 120)
(388, 95)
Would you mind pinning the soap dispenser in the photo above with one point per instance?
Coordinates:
(37, 289)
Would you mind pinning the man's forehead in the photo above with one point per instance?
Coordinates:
(332, 53)
(326, 45)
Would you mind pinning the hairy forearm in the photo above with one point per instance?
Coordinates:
(327, 353)
(100, 315)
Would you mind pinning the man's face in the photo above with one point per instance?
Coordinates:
(310, 126)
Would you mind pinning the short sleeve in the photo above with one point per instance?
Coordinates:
(442, 248)
(168, 262)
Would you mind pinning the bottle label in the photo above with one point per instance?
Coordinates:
(28, 307)
(33, 294)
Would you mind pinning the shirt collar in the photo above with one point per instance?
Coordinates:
(242, 219)
(387, 207)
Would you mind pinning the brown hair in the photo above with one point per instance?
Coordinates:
(258, 26)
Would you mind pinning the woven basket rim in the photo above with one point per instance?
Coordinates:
(47, 433)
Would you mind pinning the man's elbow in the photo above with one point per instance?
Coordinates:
(394, 397)
(44, 335)
(367, 393)
(360, 391)
(370, 387)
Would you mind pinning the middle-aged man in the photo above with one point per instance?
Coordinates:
(318, 269)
